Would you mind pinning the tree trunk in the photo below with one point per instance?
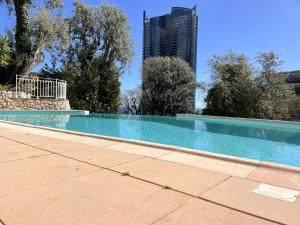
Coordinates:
(23, 44)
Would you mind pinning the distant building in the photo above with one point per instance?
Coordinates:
(173, 34)
(291, 80)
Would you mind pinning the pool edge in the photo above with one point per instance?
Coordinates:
(241, 118)
(59, 112)
(203, 153)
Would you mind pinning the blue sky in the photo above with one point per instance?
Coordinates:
(244, 26)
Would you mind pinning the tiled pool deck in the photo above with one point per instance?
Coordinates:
(54, 178)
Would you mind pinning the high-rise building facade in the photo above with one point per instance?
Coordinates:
(173, 34)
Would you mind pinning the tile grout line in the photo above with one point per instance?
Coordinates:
(241, 211)
(154, 183)
(170, 212)
(1, 222)
(217, 184)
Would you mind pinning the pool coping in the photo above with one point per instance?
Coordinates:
(241, 118)
(202, 153)
(58, 112)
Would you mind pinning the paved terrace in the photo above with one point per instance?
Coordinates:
(53, 178)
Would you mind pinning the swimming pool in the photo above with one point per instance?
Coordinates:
(277, 142)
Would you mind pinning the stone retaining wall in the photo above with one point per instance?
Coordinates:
(8, 102)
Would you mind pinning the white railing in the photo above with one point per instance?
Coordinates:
(37, 87)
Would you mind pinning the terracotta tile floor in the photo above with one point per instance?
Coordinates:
(56, 179)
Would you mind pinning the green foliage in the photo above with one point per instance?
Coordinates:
(102, 32)
(39, 27)
(168, 86)
(22, 39)
(100, 49)
(5, 53)
(93, 88)
(7, 87)
(276, 99)
(48, 31)
(233, 91)
(2, 87)
(109, 89)
(238, 91)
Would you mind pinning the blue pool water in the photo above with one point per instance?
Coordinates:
(261, 140)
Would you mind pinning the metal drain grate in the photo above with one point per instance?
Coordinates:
(272, 191)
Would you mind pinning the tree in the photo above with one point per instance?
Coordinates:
(238, 91)
(99, 32)
(130, 101)
(48, 30)
(5, 54)
(233, 91)
(21, 34)
(168, 86)
(100, 49)
(23, 45)
(276, 99)
(38, 28)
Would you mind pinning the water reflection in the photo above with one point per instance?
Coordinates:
(58, 121)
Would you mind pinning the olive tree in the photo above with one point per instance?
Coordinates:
(100, 49)
(48, 31)
(40, 27)
(168, 86)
